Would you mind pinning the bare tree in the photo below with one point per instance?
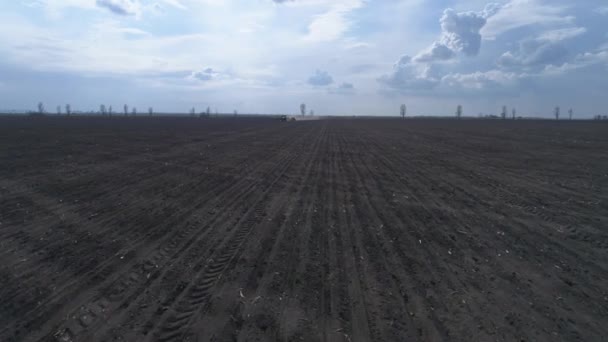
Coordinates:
(58, 110)
(40, 108)
(557, 110)
(570, 113)
(193, 111)
(403, 111)
(303, 109)
(503, 114)
(208, 112)
(134, 111)
(311, 113)
(150, 111)
(125, 110)
(513, 113)
(459, 111)
(236, 113)
(102, 109)
(110, 110)
(68, 109)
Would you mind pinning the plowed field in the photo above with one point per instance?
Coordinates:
(183, 229)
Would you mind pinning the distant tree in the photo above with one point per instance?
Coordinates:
(303, 109)
(236, 113)
(40, 108)
(513, 113)
(125, 109)
(459, 111)
(110, 110)
(193, 111)
(311, 113)
(150, 111)
(208, 111)
(503, 114)
(557, 110)
(134, 111)
(570, 113)
(58, 110)
(68, 109)
(403, 111)
(102, 109)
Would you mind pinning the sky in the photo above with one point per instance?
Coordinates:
(340, 57)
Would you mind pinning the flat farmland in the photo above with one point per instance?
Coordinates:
(238, 229)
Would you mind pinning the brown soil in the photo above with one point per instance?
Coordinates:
(181, 229)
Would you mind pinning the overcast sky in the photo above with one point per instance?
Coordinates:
(338, 56)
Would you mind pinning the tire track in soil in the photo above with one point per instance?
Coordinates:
(175, 324)
(72, 218)
(273, 268)
(132, 281)
(396, 233)
(270, 209)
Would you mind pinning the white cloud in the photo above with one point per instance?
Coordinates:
(410, 76)
(602, 10)
(460, 32)
(343, 89)
(263, 47)
(175, 3)
(481, 80)
(562, 34)
(320, 78)
(520, 13)
(332, 24)
(580, 61)
(437, 52)
(546, 49)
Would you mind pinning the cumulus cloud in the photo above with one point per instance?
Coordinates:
(582, 60)
(320, 78)
(460, 32)
(481, 80)
(437, 52)
(408, 75)
(343, 89)
(546, 49)
(208, 74)
(120, 7)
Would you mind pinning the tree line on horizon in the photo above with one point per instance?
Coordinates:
(504, 113)
(108, 111)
